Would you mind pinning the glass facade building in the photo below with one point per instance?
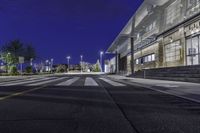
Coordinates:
(165, 33)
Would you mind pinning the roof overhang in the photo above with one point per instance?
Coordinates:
(122, 37)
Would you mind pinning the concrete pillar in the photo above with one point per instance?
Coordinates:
(132, 56)
(117, 63)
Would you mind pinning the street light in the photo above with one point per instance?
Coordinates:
(31, 62)
(68, 58)
(81, 63)
(52, 64)
(47, 65)
(101, 56)
(7, 61)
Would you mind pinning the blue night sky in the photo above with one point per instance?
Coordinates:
(58, 28)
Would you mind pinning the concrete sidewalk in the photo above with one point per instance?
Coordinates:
(187, 90)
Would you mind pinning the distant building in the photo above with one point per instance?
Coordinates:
(86, 66)
(162, 33)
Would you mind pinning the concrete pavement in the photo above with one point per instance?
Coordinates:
(187, 90)
(92, 104)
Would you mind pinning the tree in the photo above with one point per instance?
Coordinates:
(97, 67)
(11, 51)
(61, 69)
(16, 48)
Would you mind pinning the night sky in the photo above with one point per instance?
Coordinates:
(58, 28)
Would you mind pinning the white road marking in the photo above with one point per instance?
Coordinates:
(90, 82)
(113, 83)
(170, 86)
(17, 81)
(69, 82)
(45, 82)
(24, 82)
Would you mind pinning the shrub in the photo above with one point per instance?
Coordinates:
(61, 69)
(14, 70)
(29, 69)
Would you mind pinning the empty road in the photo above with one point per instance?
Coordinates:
(91, 104)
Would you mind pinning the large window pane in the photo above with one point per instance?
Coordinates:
(196, 60)
(195, 44)
(172, 51)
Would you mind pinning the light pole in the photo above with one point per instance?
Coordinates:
(7, 61)
(68, 58)
(101, 60)
(31, 62)
(81, 63)
(47, 65)
(52, 64)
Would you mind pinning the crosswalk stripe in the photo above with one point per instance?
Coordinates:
(17, 81)
(113, 83)
(69, 82)
(90, 82)
(26, 82)
(45, 82)
(9, 80)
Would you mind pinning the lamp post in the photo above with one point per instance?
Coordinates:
(7, 61)
(81, 63)
(68, 58)
(31, 62)
(52, 64)
(101, 60)
(47, 65)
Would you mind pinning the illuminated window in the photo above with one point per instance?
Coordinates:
(153, 57)
(137, 61)
(146, 59)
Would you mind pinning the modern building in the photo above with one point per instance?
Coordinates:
(161, 34)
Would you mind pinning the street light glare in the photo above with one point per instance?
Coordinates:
(101, 52)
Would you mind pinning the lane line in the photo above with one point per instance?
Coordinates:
(45, 82)
(20, 93)
(68, 82)
(113, 83)
(90, 82)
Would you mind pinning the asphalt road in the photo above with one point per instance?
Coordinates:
(91, 104)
